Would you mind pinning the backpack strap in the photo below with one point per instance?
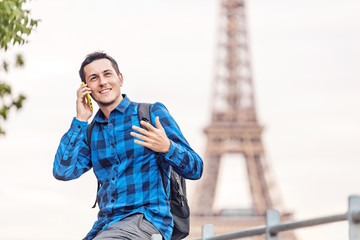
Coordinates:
(89, 132)
(143, 112)
(88, 135)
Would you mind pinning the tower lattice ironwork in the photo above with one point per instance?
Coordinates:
(234, 128)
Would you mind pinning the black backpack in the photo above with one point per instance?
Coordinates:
(178, 201)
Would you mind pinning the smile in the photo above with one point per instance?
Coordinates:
(105, 90)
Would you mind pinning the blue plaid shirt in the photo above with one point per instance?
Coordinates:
(129, 175)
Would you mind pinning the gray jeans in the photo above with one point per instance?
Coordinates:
(134, 227)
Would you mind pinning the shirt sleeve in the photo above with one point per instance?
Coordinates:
(184, 160)
(72, 158)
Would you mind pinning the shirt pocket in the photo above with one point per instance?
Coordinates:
(131, 150)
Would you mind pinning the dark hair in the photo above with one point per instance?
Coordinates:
(96, 56)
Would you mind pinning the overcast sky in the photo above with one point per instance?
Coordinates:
(305, 60)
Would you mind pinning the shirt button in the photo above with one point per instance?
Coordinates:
(110, 125)
(117, 163)
(112, 200)
(113, 179)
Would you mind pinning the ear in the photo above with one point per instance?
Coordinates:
(121, 79)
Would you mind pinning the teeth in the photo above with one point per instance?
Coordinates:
(104, 91)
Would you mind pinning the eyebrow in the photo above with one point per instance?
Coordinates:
(94, 74)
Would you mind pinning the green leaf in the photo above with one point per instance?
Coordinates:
(4, 111)
(4, 89)
(19, 60)
(5, 66)
(19, 102)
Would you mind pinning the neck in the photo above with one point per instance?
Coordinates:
(107, 109)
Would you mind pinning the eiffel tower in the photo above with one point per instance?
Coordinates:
(234, 128)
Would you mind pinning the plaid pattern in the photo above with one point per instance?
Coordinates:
(129, 175)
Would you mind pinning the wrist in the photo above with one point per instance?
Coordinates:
(82, 119)
(167, 149)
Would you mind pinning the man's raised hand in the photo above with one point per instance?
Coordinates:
(154, 138)
(83, 111)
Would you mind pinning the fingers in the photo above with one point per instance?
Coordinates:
(82, 91)
(83, 110)
(158, 123)
(153, 138)
(142, 143)
(140, 136)
(150, 127)
(145, 141)
(140, 130)
(147, 125)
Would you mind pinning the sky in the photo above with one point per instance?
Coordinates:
(305, 59)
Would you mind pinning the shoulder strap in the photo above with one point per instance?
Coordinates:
(89, 132)
(88, 135)
(144, 113)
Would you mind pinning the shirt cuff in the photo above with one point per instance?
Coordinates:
(77, 125)
(171, 151)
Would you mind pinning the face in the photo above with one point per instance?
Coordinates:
(104, 82)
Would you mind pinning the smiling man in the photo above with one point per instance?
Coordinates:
(132, 200)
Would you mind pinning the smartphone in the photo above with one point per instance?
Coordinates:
(88, 99)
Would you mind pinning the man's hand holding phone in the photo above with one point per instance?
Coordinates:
(83, 103)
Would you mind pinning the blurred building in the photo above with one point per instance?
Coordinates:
(234, 129)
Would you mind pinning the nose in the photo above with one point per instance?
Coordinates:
(102, 80)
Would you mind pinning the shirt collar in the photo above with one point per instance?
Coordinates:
(123, 105)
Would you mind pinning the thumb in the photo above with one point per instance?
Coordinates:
(158, 123)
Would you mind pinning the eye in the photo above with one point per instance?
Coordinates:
(108, 74)
(93, 78)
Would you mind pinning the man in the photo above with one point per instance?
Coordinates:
(132, 200)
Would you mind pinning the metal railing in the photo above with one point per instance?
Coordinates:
(274, 227)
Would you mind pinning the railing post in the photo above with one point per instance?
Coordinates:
(156, 237)
(207, 231)
(272, 218)
(354, 224)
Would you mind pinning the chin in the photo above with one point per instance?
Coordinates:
(106, 104)
(107, 101)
